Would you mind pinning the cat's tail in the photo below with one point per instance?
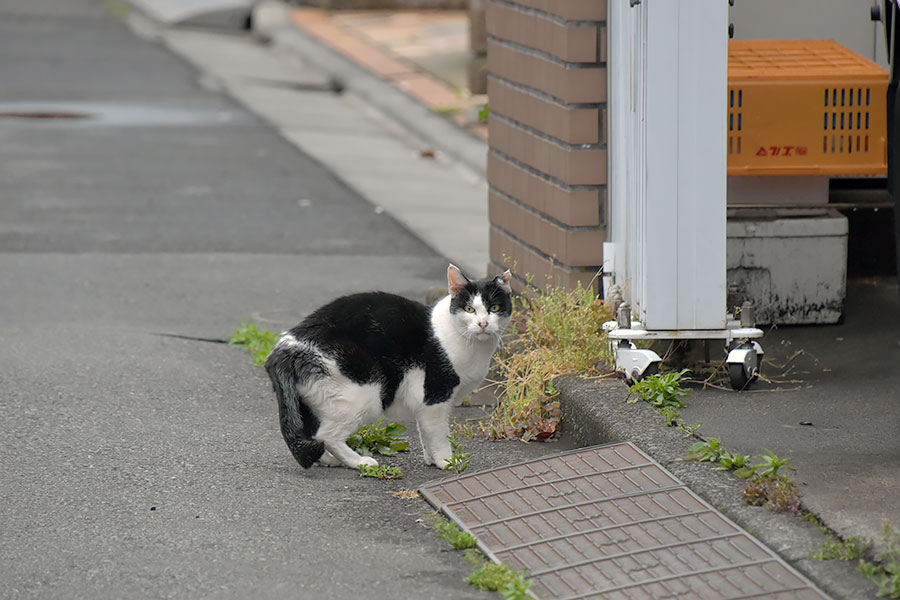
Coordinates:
(287, 366)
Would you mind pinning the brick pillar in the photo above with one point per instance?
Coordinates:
(547, 134)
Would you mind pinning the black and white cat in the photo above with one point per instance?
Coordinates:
(365, 354)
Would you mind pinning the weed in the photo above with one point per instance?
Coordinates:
(380, 472)
(459, 461)
(710, 450)
(776, 492)
(558, 331)
(736, 463)
(450, 531)
(770, 464)
(258, 343)
(512, 584)
(473, 557)
(670, 414)
(483, 113)
(689, 430)
(834, 548)
(381, 439)
(661, 390)
(887, 574)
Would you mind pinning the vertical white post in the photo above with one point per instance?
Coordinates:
(668, 200)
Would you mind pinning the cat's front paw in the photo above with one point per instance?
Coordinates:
(442, 463)
(367, 461)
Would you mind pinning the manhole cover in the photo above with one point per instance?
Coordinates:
(611, 523)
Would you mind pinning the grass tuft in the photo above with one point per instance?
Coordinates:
(557, 331)
(885, 575)
(380, 472)
(450, 531)
(258, 342)
(498, 577)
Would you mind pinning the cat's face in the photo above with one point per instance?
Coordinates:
(480, 309)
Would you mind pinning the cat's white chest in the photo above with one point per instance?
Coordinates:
(470, 358)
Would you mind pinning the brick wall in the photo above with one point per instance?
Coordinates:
(547, 134)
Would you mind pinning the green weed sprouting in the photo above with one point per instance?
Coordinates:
(459, 461)
(834, 548)
(380, 472)
(770, 464)
(661, 390)
(885, 575)
(258, 342)
(450, 531)
(498, 577)
(710, 450)
(377, 438)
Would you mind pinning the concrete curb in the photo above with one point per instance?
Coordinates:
(595, 412)
(271, 19)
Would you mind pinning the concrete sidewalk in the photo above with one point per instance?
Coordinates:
(834, 406)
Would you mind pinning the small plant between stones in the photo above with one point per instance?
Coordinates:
(834, 548)
(661, 390)
(487, 576)
(886, 573)
(664, 392)
(450, 531)
(499, 577)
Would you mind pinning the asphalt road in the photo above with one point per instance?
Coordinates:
(141, 465)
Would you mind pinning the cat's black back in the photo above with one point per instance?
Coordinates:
(375, 337)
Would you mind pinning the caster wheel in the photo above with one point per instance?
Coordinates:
(743, 366)
(738, 377)
(652, 369)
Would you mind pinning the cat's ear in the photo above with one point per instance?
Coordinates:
(503, 281)
(456, 281)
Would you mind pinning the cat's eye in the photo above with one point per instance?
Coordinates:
(494, 308)
(470, 309)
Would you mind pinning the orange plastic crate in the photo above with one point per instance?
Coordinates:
(804, 107)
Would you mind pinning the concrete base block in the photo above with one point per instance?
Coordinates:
(793, 190)
(791, 264)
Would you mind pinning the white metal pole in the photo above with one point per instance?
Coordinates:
(668, 78)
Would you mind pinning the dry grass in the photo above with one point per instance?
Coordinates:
(555, 331)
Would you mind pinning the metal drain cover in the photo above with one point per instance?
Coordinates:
(610, 523)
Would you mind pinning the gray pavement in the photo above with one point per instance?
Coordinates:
(141, 465)
(833, 405)
(137, 464)
(843, 381)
